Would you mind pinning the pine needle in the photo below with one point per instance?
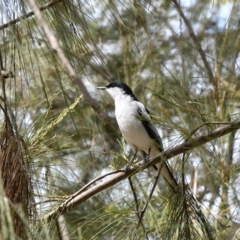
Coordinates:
(42, 132)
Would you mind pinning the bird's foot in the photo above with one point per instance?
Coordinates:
(127, 168)
(146, 158)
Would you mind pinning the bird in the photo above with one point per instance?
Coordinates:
(137, 129)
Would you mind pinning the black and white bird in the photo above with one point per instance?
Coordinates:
(136, 127)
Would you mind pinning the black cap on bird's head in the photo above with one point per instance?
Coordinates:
(125, 89)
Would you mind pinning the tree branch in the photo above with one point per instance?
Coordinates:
(65, 63)
(13, 22)
(182, 148)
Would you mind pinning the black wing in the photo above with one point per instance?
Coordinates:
(145, 118)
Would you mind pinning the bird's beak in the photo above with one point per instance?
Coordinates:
(101, 88)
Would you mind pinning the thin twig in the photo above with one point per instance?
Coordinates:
(134, 195)
(97, 50)
(195, 40)
(184, 187)
(136, 204)
(150, 195)
(29, 14)
(91, 182)
(3, 88)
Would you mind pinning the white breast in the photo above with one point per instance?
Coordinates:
(132, 128)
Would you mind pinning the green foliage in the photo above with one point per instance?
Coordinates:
(147, 45)
(7, 229)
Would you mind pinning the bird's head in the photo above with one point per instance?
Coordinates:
(119, 90)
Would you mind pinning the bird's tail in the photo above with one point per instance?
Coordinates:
(168, 175)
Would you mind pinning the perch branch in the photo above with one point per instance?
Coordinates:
(119, 176)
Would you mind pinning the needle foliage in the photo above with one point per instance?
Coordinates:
(58, 132)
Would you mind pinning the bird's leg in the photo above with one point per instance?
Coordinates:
(131, 161)
(146, 156)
